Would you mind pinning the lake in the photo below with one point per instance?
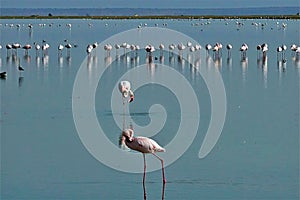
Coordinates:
(62, 116)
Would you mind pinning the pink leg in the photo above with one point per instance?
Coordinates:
(162, 167)
(144, 176)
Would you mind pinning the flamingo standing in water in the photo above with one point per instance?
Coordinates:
(125, 89)
(143, 145)
(279, 52)
(16, 46)
(60, 48)
(264, 48)
(37, 48)
(171, 48)
(284, 48)
(161, 47)
(107, 48)
(117, 47)
(68, 46)
(89, 49)
(45, 48)
(208, 48)
(26, 47)
(8, 47)
(244, 49)
(229, 47)
(258, 48)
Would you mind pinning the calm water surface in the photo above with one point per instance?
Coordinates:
(256, 157)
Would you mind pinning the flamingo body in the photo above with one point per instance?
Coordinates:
(143, 145)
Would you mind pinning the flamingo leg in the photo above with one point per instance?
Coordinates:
(162, 167)
(144, 176)
(124, 121)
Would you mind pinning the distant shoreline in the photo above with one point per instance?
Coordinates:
(156, 17)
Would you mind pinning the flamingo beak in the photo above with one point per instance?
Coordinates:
(131, 98)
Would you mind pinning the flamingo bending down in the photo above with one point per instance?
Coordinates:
(8, 47)
(125, 89)
(143, 145)
(26, 47)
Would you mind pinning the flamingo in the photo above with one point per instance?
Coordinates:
(37, 48)
(229, 47)
(117, 47)
(197, 47)
(143, 145)
(26, 47)
(124, 45)
(137, 48)
(68, 46)
(161, 47)
(244, 49)
(294, 47)
(60, 48)
(16, 46)
(258, 48)
(264, 48)
(8, 47)
(95, 45)
(107, 48)
(279, 51)
(149, 48)
(171, 48)
(181, 47)
(89, 48)
(125, 89)
(45, 48)
(189, 44)
(208, 48)
(284, 48)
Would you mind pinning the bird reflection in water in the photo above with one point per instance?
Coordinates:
(265, 70)
(45, 61)
(244, 65)
(60, 61)
(69, 60)
(27, 58)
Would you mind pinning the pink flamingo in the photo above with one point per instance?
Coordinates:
(26, 47)
(125, 89)
(143, 145)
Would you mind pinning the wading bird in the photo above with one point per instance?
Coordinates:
(125, 89)
(144, 145)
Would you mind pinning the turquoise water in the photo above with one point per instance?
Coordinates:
(256, 156)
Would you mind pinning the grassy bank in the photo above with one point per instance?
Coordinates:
(157, 17)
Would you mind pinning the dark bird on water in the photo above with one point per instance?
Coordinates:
(3, 75)
(20, 68)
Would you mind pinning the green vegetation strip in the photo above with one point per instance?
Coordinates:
(158, 17)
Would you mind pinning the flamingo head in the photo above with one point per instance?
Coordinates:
(127, 134)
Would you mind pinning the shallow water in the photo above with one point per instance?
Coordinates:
(256, 156)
